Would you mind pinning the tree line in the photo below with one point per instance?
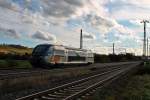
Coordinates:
(98, 58)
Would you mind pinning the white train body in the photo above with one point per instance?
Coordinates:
(48, 54)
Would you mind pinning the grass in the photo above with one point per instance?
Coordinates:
(12, 88)
(136, 87)
(9, 61)
(14, 50)
(10, 64)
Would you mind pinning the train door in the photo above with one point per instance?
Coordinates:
(66, 55)
(49, 54)
(89, 57)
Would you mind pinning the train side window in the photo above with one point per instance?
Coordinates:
(60, 52)
(82, 54)
(72, 53)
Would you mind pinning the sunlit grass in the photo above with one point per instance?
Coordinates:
(13, 50)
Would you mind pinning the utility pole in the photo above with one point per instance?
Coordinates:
(144, 42)
(113, 49)
(147, 48)
(81, 40)
(125, 51)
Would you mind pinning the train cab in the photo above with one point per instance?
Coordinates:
(41, 54)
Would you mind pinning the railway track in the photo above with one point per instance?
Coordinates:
(6, 74)
(24, 73)
(80, 89)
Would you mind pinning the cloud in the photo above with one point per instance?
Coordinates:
(88, 36)
(44, 36)
(56, 12)
(123, 30)
(133, 9)
(52, 17)
(9, 33)
(103, 25)
(103, 49)
(5, 3)
(9, 5)
(136, 22)
(59, 12)
(61, 8)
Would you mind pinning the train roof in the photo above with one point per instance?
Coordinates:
(45, 44)
(66, 47)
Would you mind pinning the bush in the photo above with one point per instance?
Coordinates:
(98, 58)
(145, 69)
(3, 63)
(26, 56)
(14, 64)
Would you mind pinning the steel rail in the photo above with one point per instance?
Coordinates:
(96, 85)
(40, 94)
(23, 73)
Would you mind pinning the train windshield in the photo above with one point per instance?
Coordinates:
(41, 49)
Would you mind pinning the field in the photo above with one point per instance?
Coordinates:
(14, 56)
(136, 87)
(15, 49)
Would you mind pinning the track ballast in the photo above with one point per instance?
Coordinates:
(81, 88)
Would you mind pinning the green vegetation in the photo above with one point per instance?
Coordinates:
(17, 56)
(14, 56)
(139, 86)
(8, 64)
(11, 88)
(115, 58)
(136, 87)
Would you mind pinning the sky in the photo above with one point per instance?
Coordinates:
(104, 22)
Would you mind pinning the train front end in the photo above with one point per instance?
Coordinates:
(41, 55)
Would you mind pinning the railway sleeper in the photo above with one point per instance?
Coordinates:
(63, 92)
(74, 88)
(59, 93)
(56, 96)
(67, 92)
(48, 98)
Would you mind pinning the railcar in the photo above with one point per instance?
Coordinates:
(46, 55)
